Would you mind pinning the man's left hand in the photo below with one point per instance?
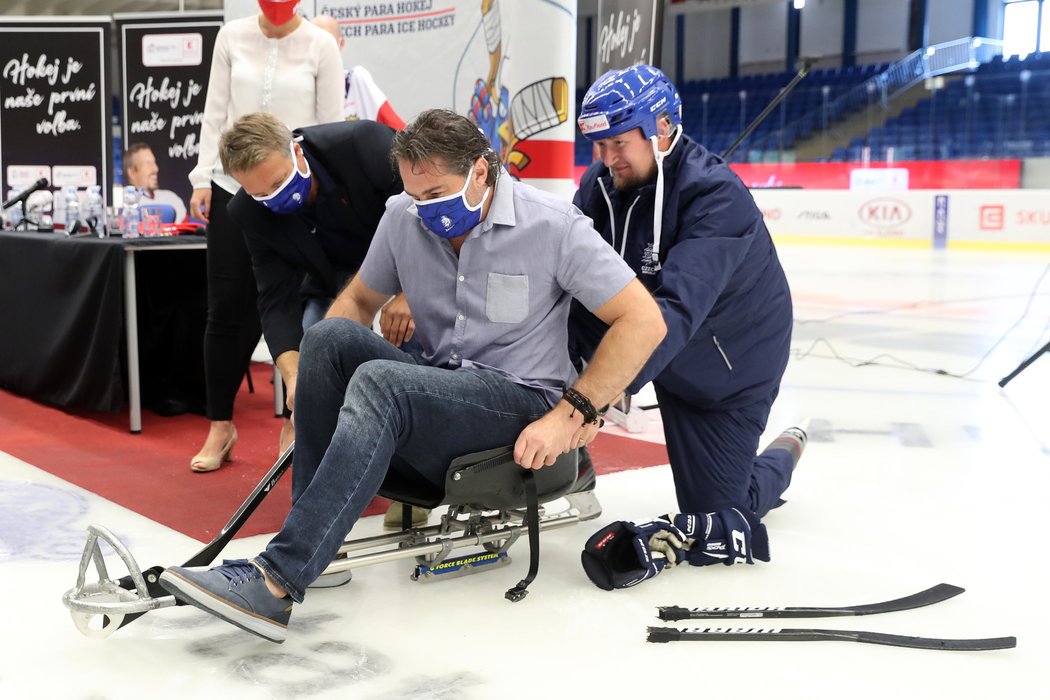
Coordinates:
(395, 321)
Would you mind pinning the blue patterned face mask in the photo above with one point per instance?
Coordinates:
(450, 216)
(291, 195)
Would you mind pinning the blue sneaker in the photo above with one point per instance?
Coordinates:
(235, 592)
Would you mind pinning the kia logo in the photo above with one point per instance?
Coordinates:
(884, 212)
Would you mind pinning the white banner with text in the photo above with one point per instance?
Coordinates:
(916, 218)
(508, 65)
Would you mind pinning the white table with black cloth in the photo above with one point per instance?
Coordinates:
(89, 323)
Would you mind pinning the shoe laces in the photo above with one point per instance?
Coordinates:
(239, 570)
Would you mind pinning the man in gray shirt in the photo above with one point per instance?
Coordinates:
(489, 267)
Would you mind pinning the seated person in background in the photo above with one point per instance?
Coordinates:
(141, 171)
(309, 204)
(489, 266)
(363, 98)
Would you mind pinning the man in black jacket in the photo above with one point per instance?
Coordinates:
(309, 205)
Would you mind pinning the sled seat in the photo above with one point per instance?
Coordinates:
(491, 501)
(483, 481)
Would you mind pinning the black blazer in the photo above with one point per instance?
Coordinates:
(288, 261)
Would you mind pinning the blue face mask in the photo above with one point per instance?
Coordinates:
(291, 195)
(450, 216)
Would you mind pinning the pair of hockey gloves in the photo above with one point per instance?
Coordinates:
(624, 554)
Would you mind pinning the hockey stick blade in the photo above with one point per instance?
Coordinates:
(211, 550)
(937, 594)
(754, 634)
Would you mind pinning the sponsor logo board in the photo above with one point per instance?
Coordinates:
(992, 217)
(884, 213)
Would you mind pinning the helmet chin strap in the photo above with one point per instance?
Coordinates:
(658, 205)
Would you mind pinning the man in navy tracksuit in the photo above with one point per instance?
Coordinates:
(691, 231)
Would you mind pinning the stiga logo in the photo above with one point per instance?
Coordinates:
(884, 213)
(813, 216)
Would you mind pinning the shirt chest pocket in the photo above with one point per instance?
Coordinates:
(507, 298)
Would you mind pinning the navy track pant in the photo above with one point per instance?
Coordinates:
(712, 455)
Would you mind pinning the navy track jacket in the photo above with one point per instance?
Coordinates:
(720, 286)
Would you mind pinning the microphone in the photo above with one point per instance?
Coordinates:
(24, 194)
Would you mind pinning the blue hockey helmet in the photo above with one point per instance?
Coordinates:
(622, 100)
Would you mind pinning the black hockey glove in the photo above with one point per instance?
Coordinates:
(623, 554)
(730, 536)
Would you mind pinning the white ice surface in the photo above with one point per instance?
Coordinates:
(910, 479)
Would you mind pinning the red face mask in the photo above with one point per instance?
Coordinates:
(278, 11)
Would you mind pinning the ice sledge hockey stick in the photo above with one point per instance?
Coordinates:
(211, 550)
(802, 73)
(748, 634)
(940, 592)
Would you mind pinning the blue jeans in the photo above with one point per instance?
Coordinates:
(360, 401)
(314, 309)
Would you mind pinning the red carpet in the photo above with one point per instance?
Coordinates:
(149, 473)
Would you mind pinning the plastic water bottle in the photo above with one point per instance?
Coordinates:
(14, 214)
(58, 206)
(72, 210)
(131, 212)
(96, 212)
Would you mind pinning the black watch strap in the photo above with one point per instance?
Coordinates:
(582, 404)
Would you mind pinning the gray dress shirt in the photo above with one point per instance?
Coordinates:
(503, 303)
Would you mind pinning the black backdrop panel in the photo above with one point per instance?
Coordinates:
(166, 61)
(629, 33)
(55, 105)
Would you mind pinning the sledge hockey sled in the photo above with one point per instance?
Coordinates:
(491, 502)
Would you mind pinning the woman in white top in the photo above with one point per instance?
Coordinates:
(273, 62)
